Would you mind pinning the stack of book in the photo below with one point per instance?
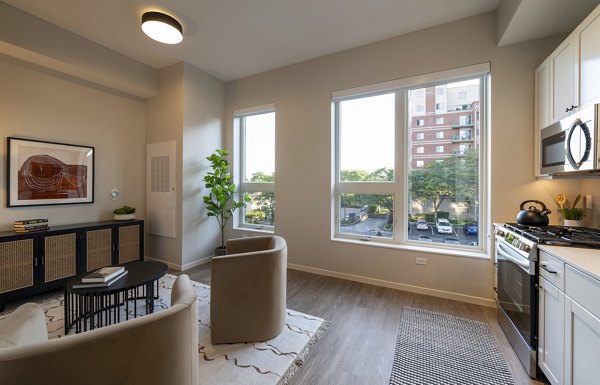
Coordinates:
(30, 225)
(103, 277)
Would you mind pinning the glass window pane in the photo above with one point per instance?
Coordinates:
(367, 139)
(259, 148)
(260, 210)
(367, 215)
(443, 178)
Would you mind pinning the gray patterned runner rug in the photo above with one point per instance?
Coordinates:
(272, 362)
(434, 348)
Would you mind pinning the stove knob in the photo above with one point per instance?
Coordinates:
(525, 247)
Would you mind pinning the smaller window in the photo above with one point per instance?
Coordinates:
(420, 150)
(420, 122)
(420, 93)
(420, 163)
(462, 94)
(420, 108)
(439, 135)
(465, 120)
(439, 120)
(439, 161)
(439, 106)
(439, 91)
(420, 136)
(439, 148)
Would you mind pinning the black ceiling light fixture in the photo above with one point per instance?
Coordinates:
(162, 27)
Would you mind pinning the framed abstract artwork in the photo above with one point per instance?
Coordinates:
(48, 173)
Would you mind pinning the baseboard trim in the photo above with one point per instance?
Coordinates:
(179, 267)
(398, 286)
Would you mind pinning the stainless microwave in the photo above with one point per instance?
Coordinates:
(570, 146)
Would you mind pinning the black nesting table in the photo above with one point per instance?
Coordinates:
(92, 308)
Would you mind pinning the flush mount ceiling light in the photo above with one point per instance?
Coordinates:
(162, 27)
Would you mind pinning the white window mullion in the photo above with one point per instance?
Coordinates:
(402, 159)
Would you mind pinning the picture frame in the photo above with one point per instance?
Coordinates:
(41, 173)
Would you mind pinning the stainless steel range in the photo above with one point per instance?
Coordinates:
(517, 279)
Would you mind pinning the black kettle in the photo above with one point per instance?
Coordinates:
(532, 216)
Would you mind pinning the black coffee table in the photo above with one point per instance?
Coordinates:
(95, 307)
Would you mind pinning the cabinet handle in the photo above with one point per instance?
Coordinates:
(567, 109)
(35, 261)
(543, 266)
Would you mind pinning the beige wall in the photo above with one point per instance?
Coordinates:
(36, 103)
(302, 97)
(204, 104)
(37, 41)
(188, 109)
(164, 116)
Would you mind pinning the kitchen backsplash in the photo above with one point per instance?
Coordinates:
(592, 186)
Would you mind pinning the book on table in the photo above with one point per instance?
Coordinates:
(30, 228)
(104, 274)
(31, 221)
(88, 285)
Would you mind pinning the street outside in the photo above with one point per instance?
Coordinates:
(374, 227)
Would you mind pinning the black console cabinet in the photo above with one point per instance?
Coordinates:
(34, 263)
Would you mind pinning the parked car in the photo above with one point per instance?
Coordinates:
(363, 213)
(443, 226)
(422, 225)
(452, 241)
(375, 233)
(424, 238)
(470, 229)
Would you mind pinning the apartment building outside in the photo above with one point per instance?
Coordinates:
(444, 122)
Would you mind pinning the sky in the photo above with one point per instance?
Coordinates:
(260, 144)
(367, 134)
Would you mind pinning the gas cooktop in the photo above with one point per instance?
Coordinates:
(559, 235)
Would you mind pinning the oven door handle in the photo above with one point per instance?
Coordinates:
(523, 264)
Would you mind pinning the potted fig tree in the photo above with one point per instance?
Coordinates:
(220, 201)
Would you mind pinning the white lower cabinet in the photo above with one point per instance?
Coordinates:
(569, 329)
(582, 345)
(551, 348)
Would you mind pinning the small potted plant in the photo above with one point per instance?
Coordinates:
(125, 213)
(573, 215)
(221, 191)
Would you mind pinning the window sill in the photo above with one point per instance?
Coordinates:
(254, 230)
(478, 254)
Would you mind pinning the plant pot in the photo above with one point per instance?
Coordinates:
(572, 223)
(221, 250)
(124, 217)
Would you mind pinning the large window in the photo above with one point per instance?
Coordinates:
(390, 189)
(257, 167)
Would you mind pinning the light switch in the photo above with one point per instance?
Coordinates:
(588, 201)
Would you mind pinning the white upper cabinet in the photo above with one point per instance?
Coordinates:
(573, 74)
(589, 46)
(542, 95)
(564, 80)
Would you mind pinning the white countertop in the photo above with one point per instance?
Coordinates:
(585, 260)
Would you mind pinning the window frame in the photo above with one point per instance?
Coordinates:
(399, 188)
(242, 187)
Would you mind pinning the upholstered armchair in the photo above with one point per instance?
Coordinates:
(248, 290)
(156, 349)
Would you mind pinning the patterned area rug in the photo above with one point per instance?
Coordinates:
(273, 362)
(435, 348)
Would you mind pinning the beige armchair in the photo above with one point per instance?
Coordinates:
(156, 349)
(248, 289)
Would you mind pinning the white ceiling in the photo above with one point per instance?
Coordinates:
(231, 39)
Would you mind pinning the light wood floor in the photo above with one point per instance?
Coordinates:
(358, 348)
